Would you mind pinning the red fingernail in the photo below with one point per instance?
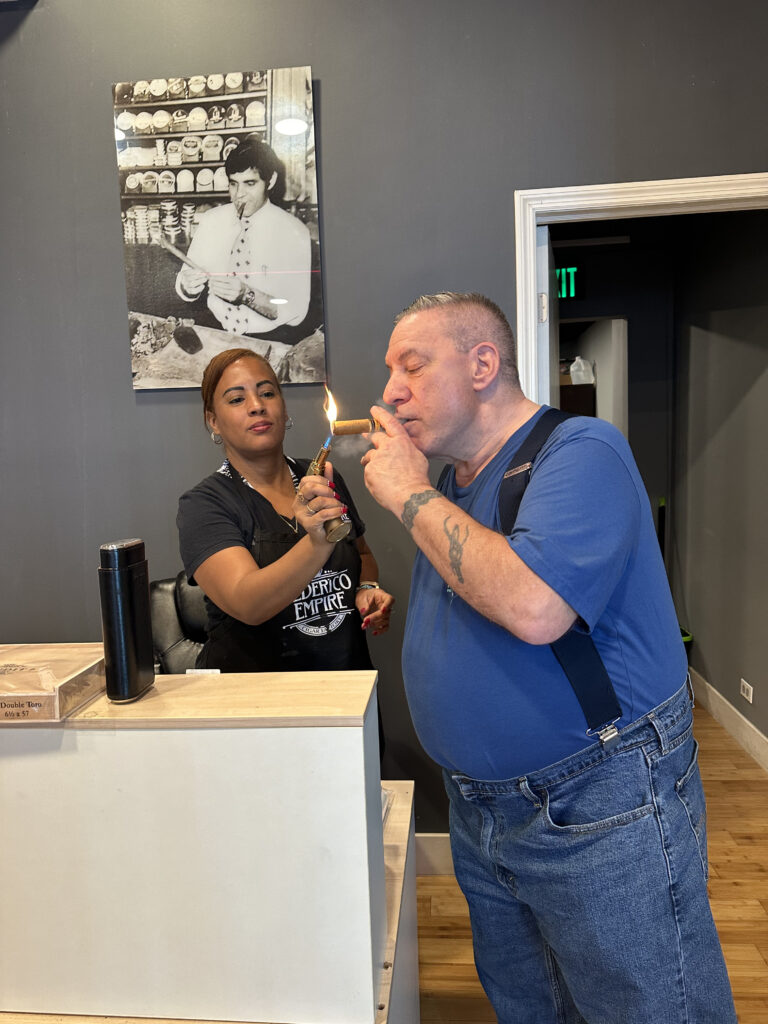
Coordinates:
(344, 508)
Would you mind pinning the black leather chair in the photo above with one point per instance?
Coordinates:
(178, 623)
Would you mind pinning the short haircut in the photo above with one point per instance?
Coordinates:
(253, 154)
(214, 371)
(471, 318)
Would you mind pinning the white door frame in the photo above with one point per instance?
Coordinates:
(534, 207)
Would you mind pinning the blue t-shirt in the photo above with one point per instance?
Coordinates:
(494, 707)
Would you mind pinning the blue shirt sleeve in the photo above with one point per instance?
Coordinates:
(578, 520)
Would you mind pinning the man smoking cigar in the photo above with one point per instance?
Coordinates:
(546, 674)
(253, 257)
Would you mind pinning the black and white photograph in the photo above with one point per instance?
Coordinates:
(220, 223)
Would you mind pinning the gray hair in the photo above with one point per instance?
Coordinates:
(471, 318)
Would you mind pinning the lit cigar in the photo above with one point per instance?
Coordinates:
(340, 427)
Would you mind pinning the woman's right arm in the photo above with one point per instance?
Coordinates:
(233, 580)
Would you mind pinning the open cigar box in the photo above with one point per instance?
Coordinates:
(47, 682)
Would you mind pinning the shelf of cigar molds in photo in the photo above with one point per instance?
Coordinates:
(220, 129)
(173, 168)
(206, 196)
(170, 101)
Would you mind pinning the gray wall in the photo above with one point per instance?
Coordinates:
(430, 114)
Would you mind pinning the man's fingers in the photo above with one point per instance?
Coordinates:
(390, 423)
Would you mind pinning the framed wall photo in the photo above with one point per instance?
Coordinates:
(219, 212)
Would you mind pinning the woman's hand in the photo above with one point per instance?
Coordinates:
(316, 502)
(375, 607)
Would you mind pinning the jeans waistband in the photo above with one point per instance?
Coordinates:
(659, 727)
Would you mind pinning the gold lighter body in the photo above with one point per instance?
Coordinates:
(336, 529)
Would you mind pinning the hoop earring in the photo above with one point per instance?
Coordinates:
(289, 423)
(216, 438)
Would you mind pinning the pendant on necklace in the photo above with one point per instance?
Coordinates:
(293, 523)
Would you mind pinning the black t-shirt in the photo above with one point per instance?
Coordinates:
(320, 629)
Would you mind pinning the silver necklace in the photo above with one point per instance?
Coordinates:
(292, 521)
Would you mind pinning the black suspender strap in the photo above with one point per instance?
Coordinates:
(575, 651)
(580, 661)
(518, 472)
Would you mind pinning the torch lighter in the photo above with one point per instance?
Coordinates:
(335, 529)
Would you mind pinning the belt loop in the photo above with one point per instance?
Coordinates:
(528, 793)
(660, 731)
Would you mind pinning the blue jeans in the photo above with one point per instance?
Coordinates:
(586, 883)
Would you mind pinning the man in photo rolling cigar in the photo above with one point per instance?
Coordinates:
(253, 257)
(546, 674)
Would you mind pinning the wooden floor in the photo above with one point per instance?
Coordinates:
(737, 803)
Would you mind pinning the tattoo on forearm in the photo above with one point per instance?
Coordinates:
(413, 505)
(455, 547)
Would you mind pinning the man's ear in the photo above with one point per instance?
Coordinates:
(272, 181)
(485, 365)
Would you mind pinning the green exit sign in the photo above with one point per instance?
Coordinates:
(566, 278)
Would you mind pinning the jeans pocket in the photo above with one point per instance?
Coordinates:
(690, 790)
(609, 794)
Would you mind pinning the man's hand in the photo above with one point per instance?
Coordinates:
(192, 281)
(227, 287)
(395, 469)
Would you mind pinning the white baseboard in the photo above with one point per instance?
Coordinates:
(433, 849)
(734, 723)
(433, 853)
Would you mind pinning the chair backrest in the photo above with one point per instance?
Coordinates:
(178, 623)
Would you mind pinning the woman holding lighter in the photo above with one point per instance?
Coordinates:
(280, 595)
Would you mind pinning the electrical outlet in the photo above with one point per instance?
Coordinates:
(745, 690)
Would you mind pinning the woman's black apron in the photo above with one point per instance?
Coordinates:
(318, 630)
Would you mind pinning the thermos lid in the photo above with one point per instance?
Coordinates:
(121, 553)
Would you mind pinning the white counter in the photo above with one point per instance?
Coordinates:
(213, 851)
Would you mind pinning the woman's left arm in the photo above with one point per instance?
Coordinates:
(373, 603)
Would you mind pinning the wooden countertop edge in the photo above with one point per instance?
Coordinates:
(396, 837)
(212, 722)
(167, 706)
(239, 701)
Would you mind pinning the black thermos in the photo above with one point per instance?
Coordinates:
(125, 620)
